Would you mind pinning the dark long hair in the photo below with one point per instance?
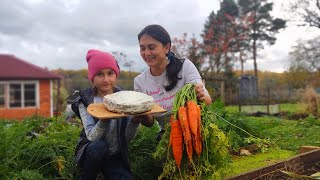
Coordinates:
(158, 33)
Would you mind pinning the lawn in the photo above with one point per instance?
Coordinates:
(288, 135)
(288, 107)
(241, 164)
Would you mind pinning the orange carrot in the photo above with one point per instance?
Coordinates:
(198, 144)
(198, 139)
(193, 116)
(176, 140)
(183, 118)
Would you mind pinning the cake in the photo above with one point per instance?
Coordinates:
(128, 102)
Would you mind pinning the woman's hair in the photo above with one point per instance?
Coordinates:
(158, 33)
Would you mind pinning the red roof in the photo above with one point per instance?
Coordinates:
(13, 68)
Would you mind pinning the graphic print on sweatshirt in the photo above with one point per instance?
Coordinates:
(163, 98)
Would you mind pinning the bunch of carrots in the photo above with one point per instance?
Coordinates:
(193, 146)
(185, 124)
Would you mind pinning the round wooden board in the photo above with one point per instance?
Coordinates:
(99, 111)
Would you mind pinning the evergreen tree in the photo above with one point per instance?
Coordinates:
(262, 26)
(218, 38)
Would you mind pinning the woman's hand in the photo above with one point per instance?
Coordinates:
(200, 92)
(201, 95)
(146, 120)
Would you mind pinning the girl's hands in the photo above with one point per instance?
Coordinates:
(146, 120)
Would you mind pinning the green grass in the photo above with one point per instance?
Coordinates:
(241, 164)
(287, 107)
(293, 108)
(287, 134)
(232, 109)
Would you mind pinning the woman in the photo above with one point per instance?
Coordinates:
(166, 73)
(102, 146)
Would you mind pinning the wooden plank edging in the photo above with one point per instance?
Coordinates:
(295, 162)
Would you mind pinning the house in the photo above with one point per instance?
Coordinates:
(25, 89)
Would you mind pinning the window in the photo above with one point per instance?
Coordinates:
(15, 95)
(29, 95)
(19, 94)
(2, 102)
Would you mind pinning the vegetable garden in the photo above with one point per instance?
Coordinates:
(40, 148)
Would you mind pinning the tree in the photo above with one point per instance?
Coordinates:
(306, 54)
(129, 65)
(73, 79)
(262, 26)
(180, 45)
(296, 77)
(189, 48)
(307, 11)
(123, 60)
(240, 30)
(218, 38)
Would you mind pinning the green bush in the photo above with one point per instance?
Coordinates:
(37, 148)
(141, 150)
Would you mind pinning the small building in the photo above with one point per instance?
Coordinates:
(25, 89)
(248, 90)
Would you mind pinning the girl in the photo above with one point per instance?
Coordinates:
(103, 143)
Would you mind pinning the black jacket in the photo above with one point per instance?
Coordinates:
(86, 97)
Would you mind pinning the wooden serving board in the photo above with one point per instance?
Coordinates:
(99, 111)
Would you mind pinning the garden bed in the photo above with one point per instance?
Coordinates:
(262, 108)
(306, 163)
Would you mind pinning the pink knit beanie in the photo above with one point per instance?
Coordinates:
(98, 60)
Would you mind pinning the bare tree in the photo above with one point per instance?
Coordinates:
(189, 47)
(306, 54)
(123, 60)
(306, 12)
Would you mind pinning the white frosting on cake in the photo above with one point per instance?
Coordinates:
(129, 102)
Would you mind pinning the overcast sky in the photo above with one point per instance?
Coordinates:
(58, 33)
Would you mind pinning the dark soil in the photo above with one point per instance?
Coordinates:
(295, 116)
(304, 164)
(307, 169)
